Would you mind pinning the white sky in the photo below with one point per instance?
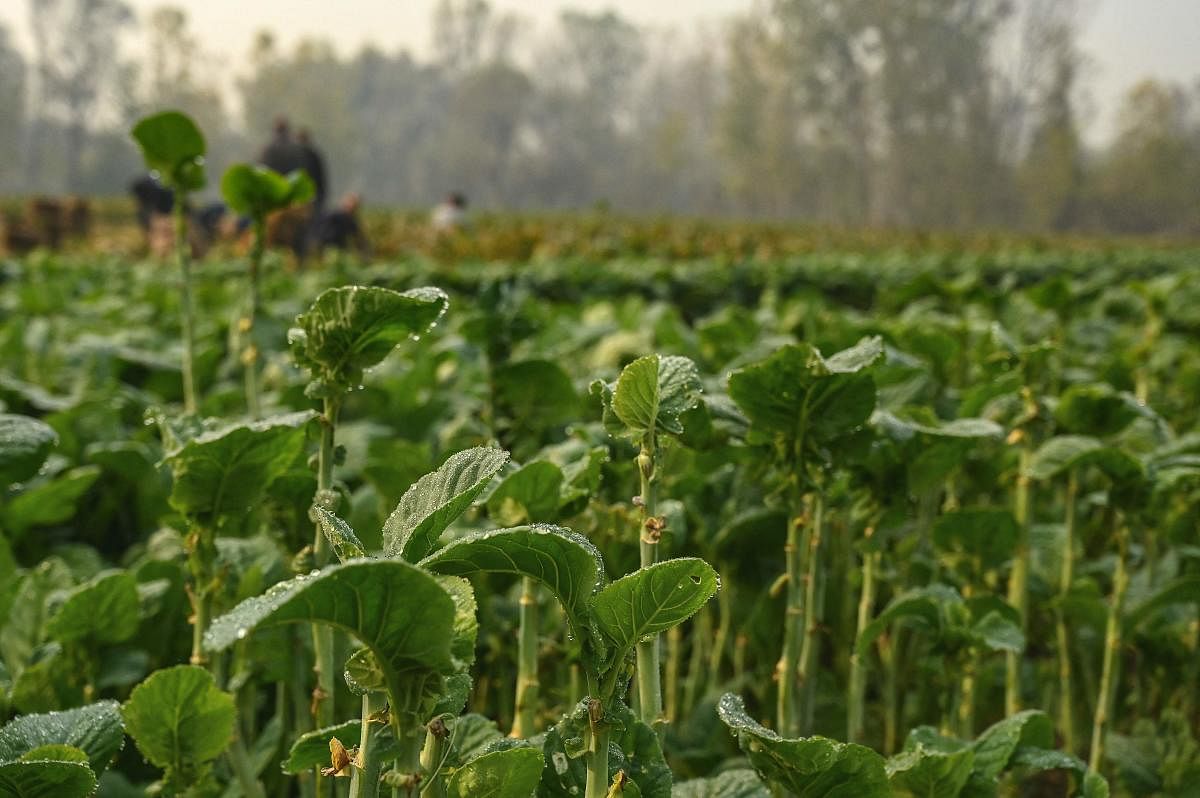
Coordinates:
(1127, 40)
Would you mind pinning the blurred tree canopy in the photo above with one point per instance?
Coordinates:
(928, 113)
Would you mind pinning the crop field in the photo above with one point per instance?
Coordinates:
(912, 523)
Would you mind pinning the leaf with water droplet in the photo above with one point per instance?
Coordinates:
(96, 729)
(400, 612)
(436, 499)
(24, 445)
(565, 562)
(808, 767)
(512, 773)
(652, 600)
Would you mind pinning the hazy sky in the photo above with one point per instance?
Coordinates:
(1126, 39)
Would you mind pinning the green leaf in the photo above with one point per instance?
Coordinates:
(50, 503)
(730, 784)
(812, 767)
(256, 191)
(47, 779)
(995, 747)
(653, 392)
(436, 499)
(398, 611)
(535, 394)
(565, 562)
(633, 748)
(350, 329)
(343, 541)
(998, 633)
(311, 749)
(25, 443)
(652, 600)
(529, 494)
(1063, 453)
(800, 396)
(228, 470)
(173, 146)
(989, 534)
(930, 773)
(179, 719)
(105, 610)
(923, 605)
(1181, 590)
(96, 729)
(1097, 410)
(513, 773)
(363, 674)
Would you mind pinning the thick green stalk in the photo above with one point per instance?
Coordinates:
(364, 783)
(323, 640)
(250, 349)
(964, 712)
(433, 756)
(408, 763)
(1066, 710)
(813, 582)
(597, 760)
(202, 555)
(856, 702)
(650, 701)
(243, 769)
(185, 296)
(1018, 580)
(787, 718)
(525, 716)
(1112, 646)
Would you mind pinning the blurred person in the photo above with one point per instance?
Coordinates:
(450, 214)
(282, 153)
(341, 229)
(152, 199)
(313, 162)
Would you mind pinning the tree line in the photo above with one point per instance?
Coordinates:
(932, 113)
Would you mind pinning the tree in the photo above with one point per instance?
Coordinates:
(12, 121)
(75, 43)
(174, 67)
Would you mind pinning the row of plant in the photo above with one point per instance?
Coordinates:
(490, 562)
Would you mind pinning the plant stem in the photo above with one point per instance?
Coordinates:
(525, 716)
(243, 770)
(432, 755)
(1018, 591)
(721, 640)
(674, 665)
(650, 700)
(202, 553)
(701, 633)
(856, 701)
(813, 579)
(323, 643)
(185, 296)
(408, 762)
(597, 761)
(364, 783)
(797, 540)
(250, 350)
(1112, 645)
(1066, 710)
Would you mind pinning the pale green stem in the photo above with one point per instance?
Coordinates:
(185, 296)
(721, 640)
(525, 716)
(813, 579)
(786, 672)
(674, 665)
(323, 642)
(650, 701)
(1066, 709)
(1018, 580)
(856, 703)
(1112, 646)
(597, 784)
(364, 782)
(432, 757)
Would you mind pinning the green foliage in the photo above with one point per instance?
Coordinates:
(807, 767)
(97, 730)
(111, 596)
(24, 445)
(436, 499)
(348, 330)
(257, 191)
(652, 394)
(173, 147)
(401, 613)
(513, 773)
(227, 470)
(181, 721)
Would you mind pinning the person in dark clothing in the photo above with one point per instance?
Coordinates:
(152, 198)
(283, 153)
(340, 228)
(314, 165)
